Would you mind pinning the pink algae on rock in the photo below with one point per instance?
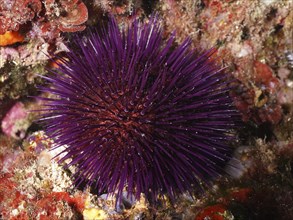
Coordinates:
(76, 15)
(14, 123)
(14, 13)
(64, 15)
(28, 192)
(258, 99)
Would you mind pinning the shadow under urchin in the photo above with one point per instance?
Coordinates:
(140, 115)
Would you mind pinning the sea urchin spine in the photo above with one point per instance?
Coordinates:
(137, 113)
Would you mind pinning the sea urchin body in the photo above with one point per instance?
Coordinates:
(137, 113)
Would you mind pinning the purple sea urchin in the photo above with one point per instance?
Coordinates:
(138, 114)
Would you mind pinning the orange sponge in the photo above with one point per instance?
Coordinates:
(10, 37)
